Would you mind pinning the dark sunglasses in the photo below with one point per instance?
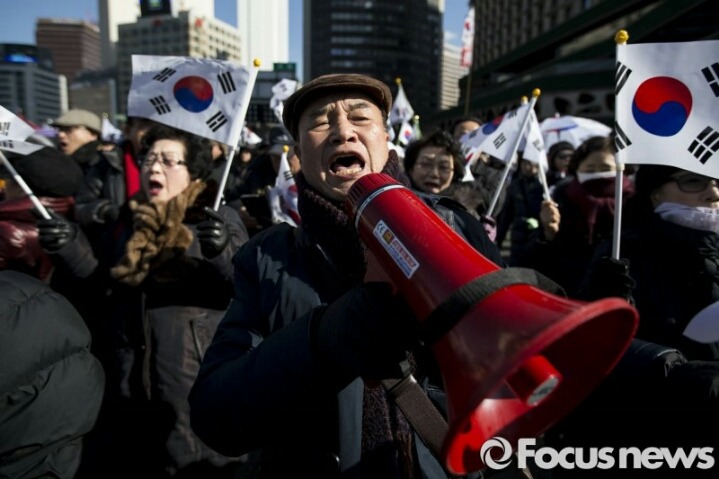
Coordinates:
(692, 183)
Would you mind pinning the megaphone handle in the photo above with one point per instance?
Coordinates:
(534, 380)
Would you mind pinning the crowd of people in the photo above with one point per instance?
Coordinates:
(217, 344)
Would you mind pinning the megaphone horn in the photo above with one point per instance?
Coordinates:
(514, 358)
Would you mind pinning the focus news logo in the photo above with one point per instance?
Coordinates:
(496, 453)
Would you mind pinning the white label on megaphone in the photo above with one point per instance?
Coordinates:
(704, 327)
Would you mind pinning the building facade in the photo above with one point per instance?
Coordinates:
(28, 86)
(566, 48)
(74, 44)
(264, 28)
(452, 72)
(386, 39)
(118, 12)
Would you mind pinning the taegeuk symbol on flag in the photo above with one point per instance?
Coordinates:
(667, 105)
(198, 95)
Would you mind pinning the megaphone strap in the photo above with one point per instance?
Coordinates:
(440, 321)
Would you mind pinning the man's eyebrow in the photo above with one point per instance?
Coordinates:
(358, 105)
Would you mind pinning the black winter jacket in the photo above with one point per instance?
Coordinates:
(260, 386)
(51, 386)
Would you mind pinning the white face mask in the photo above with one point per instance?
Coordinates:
(584, 177)
(694, 217)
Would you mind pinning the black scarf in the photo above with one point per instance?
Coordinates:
(386, 434)
(327, 223)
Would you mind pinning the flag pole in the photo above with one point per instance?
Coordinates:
(18, 179)
(468, 90)
(508, 166)
(398, 81)
(621, 39)
(236, 131)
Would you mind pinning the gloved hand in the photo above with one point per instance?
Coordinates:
(213, 234)
(365, 332)
(55, 233)
(108, 212)
(609, 277)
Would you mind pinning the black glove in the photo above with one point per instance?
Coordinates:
(108, 212)
(213, 234)
(55, 233)
(365, 332)
(609, 277)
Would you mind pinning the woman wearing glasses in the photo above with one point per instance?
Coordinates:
(669, 237)
(167, 276)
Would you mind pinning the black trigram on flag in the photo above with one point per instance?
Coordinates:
(621, 140)
(4, 127)
(226, 82)
(499, 141)
(287, 175)
(160, 105)
(511, 114)
(705, 144)
(711, 74)
(164, 75)
(216, 121)
(7, 144)
(621, 76)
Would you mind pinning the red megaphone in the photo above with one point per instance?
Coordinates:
(514, 361)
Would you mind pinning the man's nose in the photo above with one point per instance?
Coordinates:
(343, 131)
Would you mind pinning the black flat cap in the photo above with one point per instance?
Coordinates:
(48, 172)
(298, 101)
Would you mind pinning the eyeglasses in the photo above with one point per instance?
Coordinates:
(169, 160)
(692, 183)
(444, 168)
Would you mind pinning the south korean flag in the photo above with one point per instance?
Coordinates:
(667, 105)
(198, 95)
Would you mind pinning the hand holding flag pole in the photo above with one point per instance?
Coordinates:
(18, 179)
(513, 152)
(621, 39)
(236, 130)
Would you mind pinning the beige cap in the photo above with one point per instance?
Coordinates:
(77, 117)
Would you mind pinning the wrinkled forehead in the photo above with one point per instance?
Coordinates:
(346, 100)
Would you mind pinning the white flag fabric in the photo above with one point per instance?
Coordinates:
(284, 88)
(667, 105)
(496, 138)
(280, 92)
(534, 149)
(283, 196)
(12, 126)
(405, 134)
(13, 132)
(574, 129)
(110, 132)
(704, 327)
(467, 39)
(249, 137)
(199, 95)
(18, 146)
(401, 109)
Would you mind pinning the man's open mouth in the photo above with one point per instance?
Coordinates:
(347, 165)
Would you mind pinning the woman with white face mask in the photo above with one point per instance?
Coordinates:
(670, 240)
(579, 216)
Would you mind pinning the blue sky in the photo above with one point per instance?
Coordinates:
(19, 27)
